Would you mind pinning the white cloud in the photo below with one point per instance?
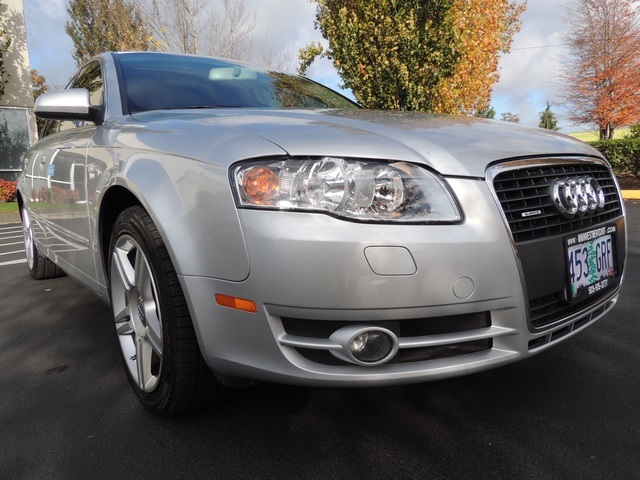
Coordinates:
(50, 48)
(528, 75)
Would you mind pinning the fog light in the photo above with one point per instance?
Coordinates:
(367, 346)
(371, 347)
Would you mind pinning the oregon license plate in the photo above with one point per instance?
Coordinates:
(590, 258)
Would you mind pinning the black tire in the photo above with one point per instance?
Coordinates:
(40, 267)
(157, 339)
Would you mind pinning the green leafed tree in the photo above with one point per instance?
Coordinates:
(431, 55)
(548, 119)
(509, 117)
(97, 26)
(634, 131)
(486, 112)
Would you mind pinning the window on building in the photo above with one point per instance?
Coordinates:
(14, 141)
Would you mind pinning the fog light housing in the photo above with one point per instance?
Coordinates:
(367, 346)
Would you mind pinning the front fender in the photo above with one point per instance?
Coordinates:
(191, 204)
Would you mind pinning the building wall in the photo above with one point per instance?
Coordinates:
(17, 120)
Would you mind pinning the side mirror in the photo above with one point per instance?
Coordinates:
(70, 104)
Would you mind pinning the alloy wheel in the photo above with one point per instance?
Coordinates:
(136, 312)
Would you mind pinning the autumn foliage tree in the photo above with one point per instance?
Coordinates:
(601, 78)
(436, 55)
(96, 26)
(39, 85)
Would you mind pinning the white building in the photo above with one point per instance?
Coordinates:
(17, 120)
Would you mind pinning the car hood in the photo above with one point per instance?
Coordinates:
(452, 145)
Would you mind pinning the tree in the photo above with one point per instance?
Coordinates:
(548, 119)
(39, 84)
(230, 35)
(486, 112)
(307, 55)
(178, 24)
(634, 131)
(190, 26)
(440, 55)
(510, 117)
(601, 78)
(96, 26)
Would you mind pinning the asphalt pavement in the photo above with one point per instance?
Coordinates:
(67, 411)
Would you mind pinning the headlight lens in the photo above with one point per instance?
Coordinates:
(356, 189)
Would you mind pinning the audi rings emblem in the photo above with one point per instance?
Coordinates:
(577, 196)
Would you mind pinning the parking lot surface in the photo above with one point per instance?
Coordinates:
(11, 245)
(67, 411)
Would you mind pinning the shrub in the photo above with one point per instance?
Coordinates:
(623, 153)
(8, 191)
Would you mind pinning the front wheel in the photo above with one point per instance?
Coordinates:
(155, 331)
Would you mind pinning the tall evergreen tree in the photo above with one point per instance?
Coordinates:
(96, 26)
(486, 112)
(548, 119)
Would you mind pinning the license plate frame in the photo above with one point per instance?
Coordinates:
(591, 265)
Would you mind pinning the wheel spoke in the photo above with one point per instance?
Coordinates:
(140, 361)
(141, 271)
(126, 272)
(144, 359)
(124, 326)
(155, 339)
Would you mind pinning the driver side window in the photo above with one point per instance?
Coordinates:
(90, 77)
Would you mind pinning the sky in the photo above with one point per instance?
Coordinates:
(528, 74)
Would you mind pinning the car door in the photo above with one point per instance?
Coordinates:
(62, 177)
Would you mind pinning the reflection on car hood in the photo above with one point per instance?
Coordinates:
(453, 145)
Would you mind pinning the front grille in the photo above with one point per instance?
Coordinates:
(546, 310)
(529, 190)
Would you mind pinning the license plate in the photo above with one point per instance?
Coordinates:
(590, 258)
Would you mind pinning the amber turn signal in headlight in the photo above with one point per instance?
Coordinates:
(260, 184)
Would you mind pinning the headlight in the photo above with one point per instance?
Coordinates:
(356, 189)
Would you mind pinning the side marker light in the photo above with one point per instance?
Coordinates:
(236, 303)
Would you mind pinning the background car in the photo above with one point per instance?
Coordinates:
(246, 224)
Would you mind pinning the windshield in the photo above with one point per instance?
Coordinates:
(153, 81)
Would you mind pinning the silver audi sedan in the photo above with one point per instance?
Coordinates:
(246, 224)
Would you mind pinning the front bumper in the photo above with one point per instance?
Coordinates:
(453, 294)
